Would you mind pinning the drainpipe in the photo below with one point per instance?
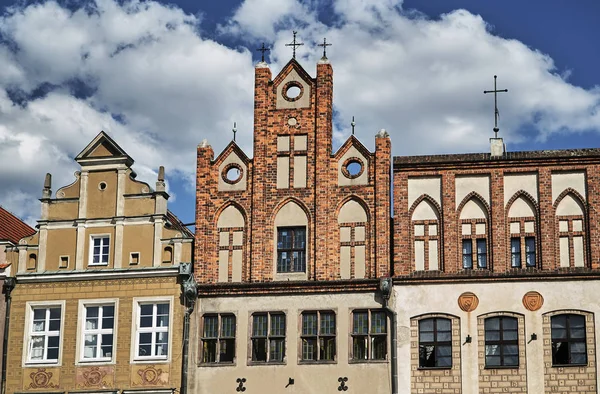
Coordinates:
(385, 286)
(9, 285)
(190, 294)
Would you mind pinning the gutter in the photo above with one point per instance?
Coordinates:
(189, 288)
(386, 289)
(9, 285)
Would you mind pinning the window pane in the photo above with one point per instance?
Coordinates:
(327, 324)
(492, 361)
(228, 326)
(492, 323)
(210, 326)
(276, 351)
(226, 350)
(576, 321)
(106, 345)
(444, 336)
(426, 325)
(379, 348)
(259, 326)
(515, 250)
(299, 238)
(359, 348)
(37, 348)
(278, 325)
(259, 350)
(378, 321)
(309, 349)
(327, 351)
(481, 253)
(427, 356)
(443, 324)
(92, 312)
(467, 246)
(209, 351)
(360, 323)
(511, 360)
(509, 323)
(309, 324)
(426, 337)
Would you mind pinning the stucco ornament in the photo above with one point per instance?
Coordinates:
(41, 379)
(533, 301)
(468, 302)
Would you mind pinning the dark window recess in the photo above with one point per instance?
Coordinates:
(268, 337)
(530, 251)
(481, 253)
(318, 336)
(291, 249)
(467, 253)
(218, 339)
(501, 342)
(435, 343)
(568, 340)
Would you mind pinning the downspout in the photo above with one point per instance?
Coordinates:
(190, 294)
(385, 286)
(9, 285)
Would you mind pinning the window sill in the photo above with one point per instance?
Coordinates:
(45, 363)
(367, 361)
(502, 367)
(266, 363)
(211, 365)
(98, 265)
(95, 362)
(318, 362)
(283, 276)
(150, 360)
(569, 365)
(433, 368)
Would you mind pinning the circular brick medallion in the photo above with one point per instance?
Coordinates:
(533, 301)
(353, 167)
(292, 91)
(292, 121)
(232, 173)
(468, 301)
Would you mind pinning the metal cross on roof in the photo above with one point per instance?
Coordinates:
(496, 112)
(294, 44)
(234, 130)
(324, 45)
(263, 49)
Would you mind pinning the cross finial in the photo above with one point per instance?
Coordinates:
(324, 45)
(263, 49)
(294, 44)
(496, 112)
(353, 123)
(234, 130)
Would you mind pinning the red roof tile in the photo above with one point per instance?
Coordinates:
(12, 228)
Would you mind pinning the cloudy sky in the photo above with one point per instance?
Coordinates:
(160, 77)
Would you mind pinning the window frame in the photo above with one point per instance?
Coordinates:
(569, 340)
(268, 337)
(81, 331)
(369, 336)
(317, 337)
(93, 237)
(292, 249)
(501, 342)
(135, 321)
(27, 333)
(218, 338)
(435, 343)
(514, 255)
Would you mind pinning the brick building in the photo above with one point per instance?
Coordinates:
(290, 246)
(98, 305)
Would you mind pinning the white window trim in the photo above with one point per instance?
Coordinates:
(91, 250)
(80, 345)
(139, 258)
(29, 321)
(134, 329)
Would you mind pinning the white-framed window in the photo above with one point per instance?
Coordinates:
(99, 249)
(152, 336)
(97, 333)
(43, 335)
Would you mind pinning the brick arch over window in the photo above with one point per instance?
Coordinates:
(231, 234)
(426, 234)
(291, 235)
(497, 344)
(572, 245)
(474, 233)
(523, 231)
(353, 221)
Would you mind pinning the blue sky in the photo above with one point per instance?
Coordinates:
(160, 77)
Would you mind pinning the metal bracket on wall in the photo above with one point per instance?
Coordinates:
(343, 386)
(240, 382)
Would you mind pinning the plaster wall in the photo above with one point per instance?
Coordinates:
(363, 178)
(515, 182)
(467, 184)
(431, 186)
(573, 180)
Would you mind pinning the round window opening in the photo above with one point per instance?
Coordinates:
(354, 168)
(232, 173)
(102, 186)
(293, 92)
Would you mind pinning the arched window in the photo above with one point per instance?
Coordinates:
(522, 230)
(474, 234)
(352, 220)
(167, 255)
(501, 342)
(32, 261)
(568, 339)
(426, 236)
(291, 236)
(571, 231)
(231, 240)
(435, 343)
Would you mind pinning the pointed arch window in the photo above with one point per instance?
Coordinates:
(426, 236)
(352, 220)
(230, 227)
(522, 230)
(570, 218)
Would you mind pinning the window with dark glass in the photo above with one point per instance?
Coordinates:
(291, 249)
(435, 343)
(467, 253)
(369, 335)
(481, 253)
(318, 336)
(501, 342)
(568, 340)
(515, 252)
(218, 339)
(530, 251)
(268, 337)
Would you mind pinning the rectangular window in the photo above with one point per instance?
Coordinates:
(369, 335)
(530, 251)
(98, 326)
(501, 342)
(568, 340)
(218, 339)
(152, 335)
(515, 252)
(318, 336)
(44, 334)
(100, 249)
(467, 253)
(481, 253)
(435, 343)
(291, 249)
(268, 337)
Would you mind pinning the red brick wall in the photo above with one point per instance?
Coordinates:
(321, 199)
